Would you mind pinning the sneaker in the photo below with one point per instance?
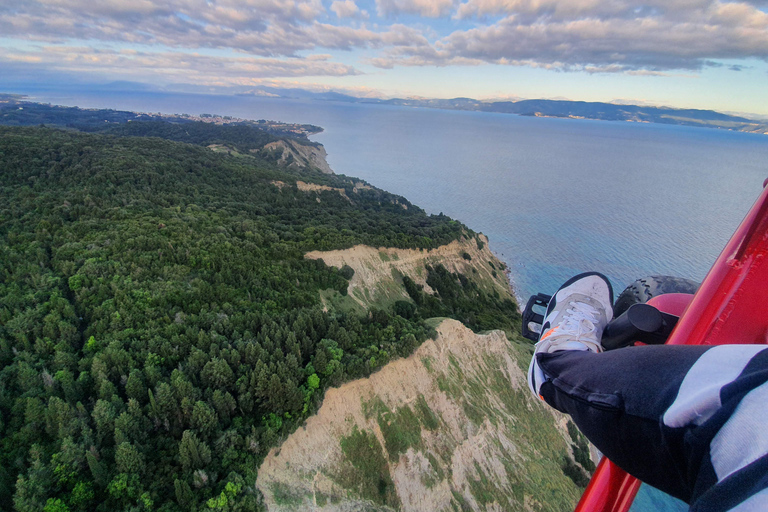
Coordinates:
(575, 319)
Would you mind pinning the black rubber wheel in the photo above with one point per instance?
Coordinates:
(642, 290)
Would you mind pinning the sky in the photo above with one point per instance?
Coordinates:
(708, 54)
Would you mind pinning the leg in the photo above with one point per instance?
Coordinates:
(690, 421)
(617, 399)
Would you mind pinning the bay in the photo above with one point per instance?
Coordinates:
(555, 196)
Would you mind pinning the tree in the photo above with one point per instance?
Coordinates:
(193, 453)
(217, 374)
(98, 470)
(224, 404)
(204, 419)
(128, 459)
(55, 505)
(184, 495)
(134, 386)
(33, 489)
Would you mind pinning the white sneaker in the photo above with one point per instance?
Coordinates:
(575, 319)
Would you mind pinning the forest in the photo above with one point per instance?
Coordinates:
(16, 111)
(160, 329)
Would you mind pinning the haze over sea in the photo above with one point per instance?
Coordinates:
(555, 196)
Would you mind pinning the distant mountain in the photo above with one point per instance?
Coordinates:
(449, 104)
(301, 94)
(614, 112)
(546, 108)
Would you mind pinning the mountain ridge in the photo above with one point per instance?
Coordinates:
(602, 111)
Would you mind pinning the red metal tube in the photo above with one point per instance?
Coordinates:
(731, 306)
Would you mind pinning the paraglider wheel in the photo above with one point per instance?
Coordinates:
(642, 290)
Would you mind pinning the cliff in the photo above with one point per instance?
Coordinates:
(378, 277)
(297, 155)
(452, 427)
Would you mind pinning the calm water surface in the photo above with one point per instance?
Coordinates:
(555, 196)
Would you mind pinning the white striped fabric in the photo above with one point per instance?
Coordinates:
(699, 395)
(756, 503)
(742, 439)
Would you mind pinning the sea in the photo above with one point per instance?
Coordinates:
(555, 196)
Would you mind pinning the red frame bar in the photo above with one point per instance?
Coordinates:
(731, 306)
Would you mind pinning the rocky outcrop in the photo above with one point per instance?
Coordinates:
(300, 156)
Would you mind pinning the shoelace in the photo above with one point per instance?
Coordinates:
(580, 318)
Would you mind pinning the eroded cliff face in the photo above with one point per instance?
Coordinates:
(452, 427)
(378, 271)
(301, 156)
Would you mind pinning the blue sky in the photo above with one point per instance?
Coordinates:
(685, 53)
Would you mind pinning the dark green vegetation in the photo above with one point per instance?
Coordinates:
(460, 298)
(580, 448)
(160, 329)
(368, 474)
(16, 112)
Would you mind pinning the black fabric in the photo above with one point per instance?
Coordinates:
(618, 399)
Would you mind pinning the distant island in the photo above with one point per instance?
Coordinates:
(548, 108)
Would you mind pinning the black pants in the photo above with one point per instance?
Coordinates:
(691, 421)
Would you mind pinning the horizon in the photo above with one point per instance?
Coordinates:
(43, 96)
(699, 54)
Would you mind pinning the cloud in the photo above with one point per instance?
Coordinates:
(595, 36)
(166, 67)
(553, 8)
(262, 27)
(347, 9)
(605, 37)
(268, 28)
(426, 8)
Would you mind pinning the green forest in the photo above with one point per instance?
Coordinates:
(16, 111)
(160, 329)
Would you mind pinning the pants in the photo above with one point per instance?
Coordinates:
(691, 421)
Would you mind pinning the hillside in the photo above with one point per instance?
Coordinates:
(452, 427)
(379, 271)
(161, 328)
(285, 144)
